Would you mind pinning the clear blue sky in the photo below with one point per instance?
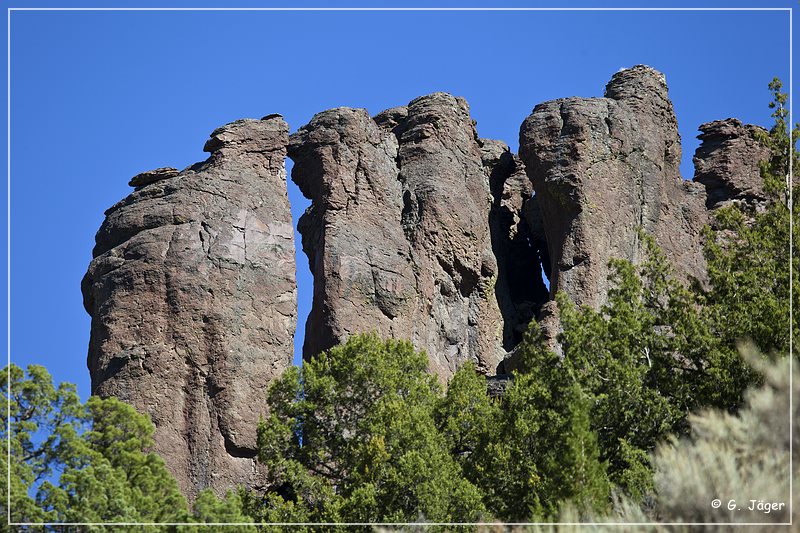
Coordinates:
(97, 97)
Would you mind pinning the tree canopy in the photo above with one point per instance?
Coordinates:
(352, 436)
(88, 462)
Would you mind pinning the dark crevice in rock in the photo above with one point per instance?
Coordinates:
(239, 451)
(532, 214)
(411, 215)
(496, 385)
(519, 289)
(467, 278)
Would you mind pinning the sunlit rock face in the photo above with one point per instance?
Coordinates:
(418, 229)
(727, 162)
(193, 301)
(603, 168)
(408, 213)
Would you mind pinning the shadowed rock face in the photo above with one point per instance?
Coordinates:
(193, 302)
(518, 243)
(604, 167)
(398, 234)
(727, 162)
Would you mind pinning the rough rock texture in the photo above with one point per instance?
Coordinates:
(193, 302)
(496, 386)
(397, 235)
(418, 229)
(727, 162)
(517, 242)
(152, 176)
(603, 167)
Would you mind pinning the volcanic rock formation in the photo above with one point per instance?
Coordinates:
(418, 229)
(518, 241)
(193, 301)
(727, 162)
(398, 234)
(604, 167)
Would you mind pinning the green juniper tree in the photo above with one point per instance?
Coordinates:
(363, 433)
(83, 462)
(531, 450)
(737, 458)
(74, 462)
(658, 351)
(36, 408)
(352, 436)
(208, 508)
(748, 255)
(645, 360)
(107, 476)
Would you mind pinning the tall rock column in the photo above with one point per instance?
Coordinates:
(446, 204)
(397, 234)
(361, 262)
(193, 301)
(602, 168)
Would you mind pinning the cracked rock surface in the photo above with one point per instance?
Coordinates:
(602, 168)
(518, 243)
(727, 162)
(418, 229)
(397, 235)
(193, 301)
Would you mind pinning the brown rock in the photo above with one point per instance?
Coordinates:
(361, 262)
(152, 176)
(601, 169)
(519, 289)
(397, 234)
(727, 162)
(417, 229)
(193, 302)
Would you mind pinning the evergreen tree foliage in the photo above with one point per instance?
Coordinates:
(646, 359)
(658, 351)
(748, 253)
(44, 421)
(209, 509)
(106, 475)
(742, 457)
(533, 449)
(73, 462)
(363, 433)
(352, 436)
(738, 459)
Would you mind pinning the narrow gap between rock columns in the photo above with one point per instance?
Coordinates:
(305, 280)
(542, 252)
(545, 278)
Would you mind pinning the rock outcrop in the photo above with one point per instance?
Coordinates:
(727, 162)
(602, 168)
(193, 302)
(398, 235)
(418, 229)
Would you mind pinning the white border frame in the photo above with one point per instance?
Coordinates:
(790, 180)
